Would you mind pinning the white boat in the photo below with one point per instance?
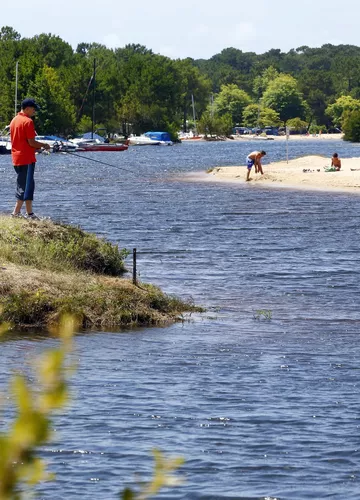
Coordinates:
(97, 143)
(142, 140)
(189, 136)
(5, 146)
(162, 137)
(57, 144)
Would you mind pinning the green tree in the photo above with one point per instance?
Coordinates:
(214, 125)
(57, 113)
(138, 87)
(340, 107)
(232, 100)
(297, 124)
(9, 45)
(351, 125)
(317, 87)
(53, 50)
(151, 92)
(8, 33)
(254, 116)
(192, 83)
(262, 81)
(283, 96)
(84, 124)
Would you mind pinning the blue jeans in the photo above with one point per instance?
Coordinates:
(25, 184)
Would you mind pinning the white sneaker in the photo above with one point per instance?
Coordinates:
(19, 215)
(32, 216)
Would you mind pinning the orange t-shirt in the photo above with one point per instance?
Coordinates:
(21, 129)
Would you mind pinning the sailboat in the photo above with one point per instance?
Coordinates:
(92, 141)
(192, 135)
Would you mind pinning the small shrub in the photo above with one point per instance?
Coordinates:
(26, 308)
(265, 314)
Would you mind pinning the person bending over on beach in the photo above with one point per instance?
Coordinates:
(336, 162)
(23, 147)
(254, 159)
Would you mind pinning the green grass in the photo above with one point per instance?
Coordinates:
(49, 269)
(46, 245)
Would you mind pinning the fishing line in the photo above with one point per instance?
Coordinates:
(98, 161)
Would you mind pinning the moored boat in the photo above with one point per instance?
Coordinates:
(57, 144)
(5, 146)
(142, 140)
(193, 138)
(90, 145)
(97, 143)
(162, 137)
(189, 136)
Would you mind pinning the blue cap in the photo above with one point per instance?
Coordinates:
(29, 103)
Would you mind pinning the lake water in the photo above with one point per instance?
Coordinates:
(259, 409)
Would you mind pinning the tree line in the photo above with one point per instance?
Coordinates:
(137, 90)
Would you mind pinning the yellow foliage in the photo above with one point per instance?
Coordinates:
(32, 427)
(163, 475)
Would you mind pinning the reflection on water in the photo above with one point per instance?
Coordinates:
(258, 408)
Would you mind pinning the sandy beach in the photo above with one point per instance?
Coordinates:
(302, 173)
(318, 137)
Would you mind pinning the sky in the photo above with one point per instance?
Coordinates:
(197, 29)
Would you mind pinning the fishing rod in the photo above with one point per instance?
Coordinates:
(98, 161)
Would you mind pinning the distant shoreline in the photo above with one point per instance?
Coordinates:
(300, 137)
(256, 138)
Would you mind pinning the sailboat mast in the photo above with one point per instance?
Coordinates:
(193, 106)
(16, 85)
(93, 103)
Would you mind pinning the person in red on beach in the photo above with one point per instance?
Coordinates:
(23, 147)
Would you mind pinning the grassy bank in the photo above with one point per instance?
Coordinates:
(48, 269)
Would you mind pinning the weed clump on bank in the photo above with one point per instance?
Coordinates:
(49, 269)
(58, 247)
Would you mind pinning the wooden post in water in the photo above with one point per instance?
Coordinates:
(134, 267)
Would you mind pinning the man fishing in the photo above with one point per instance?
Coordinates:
(254, 159)
(23, 147)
